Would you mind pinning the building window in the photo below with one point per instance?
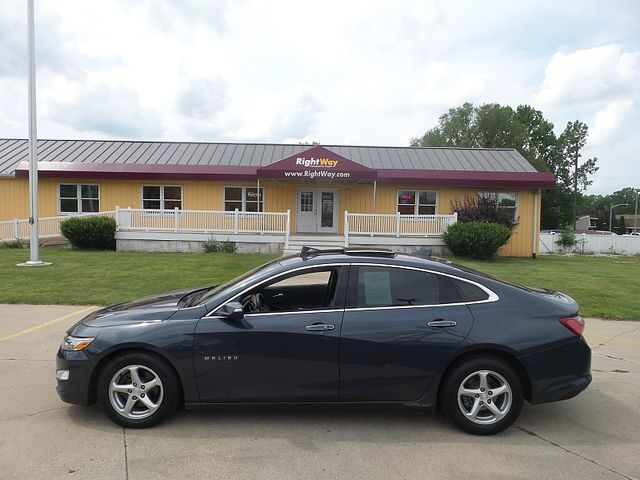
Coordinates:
(161, 197)
(75, 198)
(505, 200)
(417, 202)
(245, 199)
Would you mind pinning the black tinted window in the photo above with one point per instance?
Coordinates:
(469, 292)
(385, 287)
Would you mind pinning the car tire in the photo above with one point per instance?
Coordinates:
(138, 390)
(482, 395)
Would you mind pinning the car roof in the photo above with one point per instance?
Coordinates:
(359, 255)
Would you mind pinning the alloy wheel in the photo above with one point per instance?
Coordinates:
(136, 392)
(484, 397)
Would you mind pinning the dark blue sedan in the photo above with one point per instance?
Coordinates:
(333, 327)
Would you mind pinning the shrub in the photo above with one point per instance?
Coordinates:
(212, 246)
(480, 240)
(483, 209)
(566, 237)
(11, 244)
(93, 232)
(622, 226)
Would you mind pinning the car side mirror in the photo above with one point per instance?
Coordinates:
(232, 310)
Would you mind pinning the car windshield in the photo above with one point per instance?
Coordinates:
(234, 281)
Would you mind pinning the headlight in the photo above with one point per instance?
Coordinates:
(75, 344)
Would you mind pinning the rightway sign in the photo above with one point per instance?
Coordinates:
(317, 164)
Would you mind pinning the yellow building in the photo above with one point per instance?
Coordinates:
(170, 195)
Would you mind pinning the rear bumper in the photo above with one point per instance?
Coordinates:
(561, 390)
(559, 373)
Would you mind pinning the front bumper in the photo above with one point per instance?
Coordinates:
(77, 387)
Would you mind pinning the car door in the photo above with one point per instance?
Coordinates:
(400, 327)
(285, 349)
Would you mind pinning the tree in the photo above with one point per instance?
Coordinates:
(528, 131)
(622, 227)
(456, 128)
(569, 172)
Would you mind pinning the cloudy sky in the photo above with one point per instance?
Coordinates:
(347, 72)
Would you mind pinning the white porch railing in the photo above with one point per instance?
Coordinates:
(47, 226)
(374, 224)
(204, 221)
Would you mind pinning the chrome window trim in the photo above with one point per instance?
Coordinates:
(301, 312)
(493, 297)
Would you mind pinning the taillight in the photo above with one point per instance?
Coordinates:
(575, 324)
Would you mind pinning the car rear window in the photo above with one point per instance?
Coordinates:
(470, 292)
(392, 287)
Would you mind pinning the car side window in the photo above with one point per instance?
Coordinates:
(307, 290)
(469, 292)
(394, 287)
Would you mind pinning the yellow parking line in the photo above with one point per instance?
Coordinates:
(46, 324)
(610, 337)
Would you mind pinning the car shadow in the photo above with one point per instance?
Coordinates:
(575, 418)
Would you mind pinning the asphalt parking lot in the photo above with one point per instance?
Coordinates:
(596, 435)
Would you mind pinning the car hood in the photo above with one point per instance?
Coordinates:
(148, 309)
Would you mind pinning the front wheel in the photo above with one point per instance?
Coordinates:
(138, 390)
(482, 395)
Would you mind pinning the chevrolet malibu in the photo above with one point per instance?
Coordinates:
(334, 328)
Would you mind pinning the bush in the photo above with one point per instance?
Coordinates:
(212, 246)
(483, 209)
(11, 244)
(479, 240)
(622, 226)
(566, 237)
(93, 232)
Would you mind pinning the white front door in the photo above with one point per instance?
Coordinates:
(317, 210)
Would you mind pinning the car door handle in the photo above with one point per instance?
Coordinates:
(441, 322)
(319, 327)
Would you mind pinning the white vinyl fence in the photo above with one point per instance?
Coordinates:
(598, 244)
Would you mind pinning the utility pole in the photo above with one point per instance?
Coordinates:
(635, 215)
(34, 260)
(575, 186)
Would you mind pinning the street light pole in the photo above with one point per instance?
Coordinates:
(635, 215)
(34, 260)
(611, 211)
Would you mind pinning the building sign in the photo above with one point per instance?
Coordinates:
(316, 168)
(317, 164)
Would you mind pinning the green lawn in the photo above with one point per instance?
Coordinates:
(104, 277)
(606, 287)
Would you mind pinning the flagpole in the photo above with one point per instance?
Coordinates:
(34, 260)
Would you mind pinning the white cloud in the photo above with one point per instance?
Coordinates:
(112, 111)
(445, 86)
(589, 75)
(363, 71)
(607, 123)
(202, 98)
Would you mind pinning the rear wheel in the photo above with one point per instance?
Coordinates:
(138, 390)
(482, 395)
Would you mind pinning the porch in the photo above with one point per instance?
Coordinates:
(270, 232)
(264, 232)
